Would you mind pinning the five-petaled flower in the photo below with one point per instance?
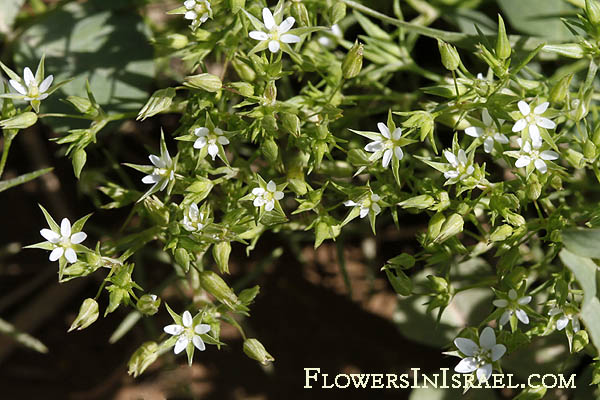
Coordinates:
(276, 34)
(565, 317)
(533, 121)
(198, 11)
(479, 357)
(533, 154)
(386, 146)
(366, 205)
(489, 132)
(63, 242)
(193, 219)
(162, 173)
(461, 167)
(187, 332)
(211, 138)
(512, 306)
(30, 87)
(267, 196)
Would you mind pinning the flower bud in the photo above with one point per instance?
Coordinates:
(534, 187)
(256, 351)
(182, 257)
(571, 50)
(503, 49)
(435, 225)
(450, 57)
(215, 285)
(221, 251)
(244, 88)
(420, 202)
(438, 284)
(78, 160)
(244, 71)
(291, 123)
(575, 158)
(352, 64)
(589, 150)
(270, 150)
(88, 314)
(142, 358)
(513, 218)
(157, 210)
(300, 13)
(271, 92)
(247, 295)
(338, 12)
(148, 304)
(21, 121)
(452, 226)
(160, 101)
(592, 10)
(208, 82)
(501, 233)
(559, 91)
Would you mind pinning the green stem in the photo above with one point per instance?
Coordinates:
(8, 138)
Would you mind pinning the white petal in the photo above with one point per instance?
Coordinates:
(387, 157)
(536, 138)
(258, 191)
(258, 202)
(148, 179)
(18, 87)
(350, 203)
(524, 300)
(189, 4)
(197, 340)
(201, 329)
(28, 76)
(289, 38)
(522, 316)
(274, 46)
(78, 237)
(486, 118)
(466, 346)
(385, 132)
(487, 339)
(562, 322)
(500, 303)
(201, 131)
(474, 131)
(156, 161)
(56, 254)
(278, 195)
(450, 174)
(519, 125)
(541, 108)
(375, 207)
(450, 157)
(70, 255)
(65, 228)
(548, 155)
(186, 319)
(258, 35)
(268, 18)
(541, 166)
(498, 351)
(270, 205)
(375, 197)
(173, 329)
(374, 146)
(222, 140)
(575, 324)
(501, 138)
(364, 212)
(524, 107)
(522, 161)
(462, 157)
(554, 311)
(271, 187)
(466, 365)
(191, 15)
(45, 85)
(488, 144)
(397, 134)
(484, 372)
(526, 147)
(213, 149)
(50, 236)
(546, 123)
(505, 317)
(286, 25)
(398, 152)
(181, 344)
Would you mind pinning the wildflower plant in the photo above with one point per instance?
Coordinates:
(490, 147)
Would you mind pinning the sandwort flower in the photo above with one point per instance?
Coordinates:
(386, 146)
(276, 34)
(533, 154)
(267, 196)
(488, 132)
(533, 121)
(193, 219)
(511, 306)
(63, 241)
(187, 332)
(479, 357)
(211, 138)
(461, 167)
(370, 204)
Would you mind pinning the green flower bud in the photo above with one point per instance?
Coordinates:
(321, 148)
(175, 41)
(580, 340)
(575, 158)
(244, 71)
(420, 202)
(247, 295)
(300, 13)
(157, 210)
(88, 314)
(78, 160)
(513, 218)
(143, 357)
(160, 101)
(182, 257)
(148, 304)
(20, 121)
(589, 150)
(270, 150)
(221, 251)
(450, 57)
(338, 12)
(571, 50)
(503, 49)
(559, 91)
(501, 233)
(352, 64)
(208, 82)
(534, 187)
(291, 123)
(592, 10)
(256, 351)
(215, 285)
(452, 226)
(438, 284)
(271, 92)
(244, 88)
(435, 225)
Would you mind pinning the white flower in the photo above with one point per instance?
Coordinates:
(489, 132)
(532, 154)
(461, 167)
(276, 33)
(564, 319)
(533, 121)
(328, 39)
(63, 242)
(198, 11)
(479, 357)
(512, 306)
(386, 146)
(369, 204)
(31, 88)
(266, 197)
(186, 333)
(163, 171)
(193, 219)
(211, 138)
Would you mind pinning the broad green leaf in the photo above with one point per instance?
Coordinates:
(583, 242)
(8, 13)
(19, 180)
(538, 17)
